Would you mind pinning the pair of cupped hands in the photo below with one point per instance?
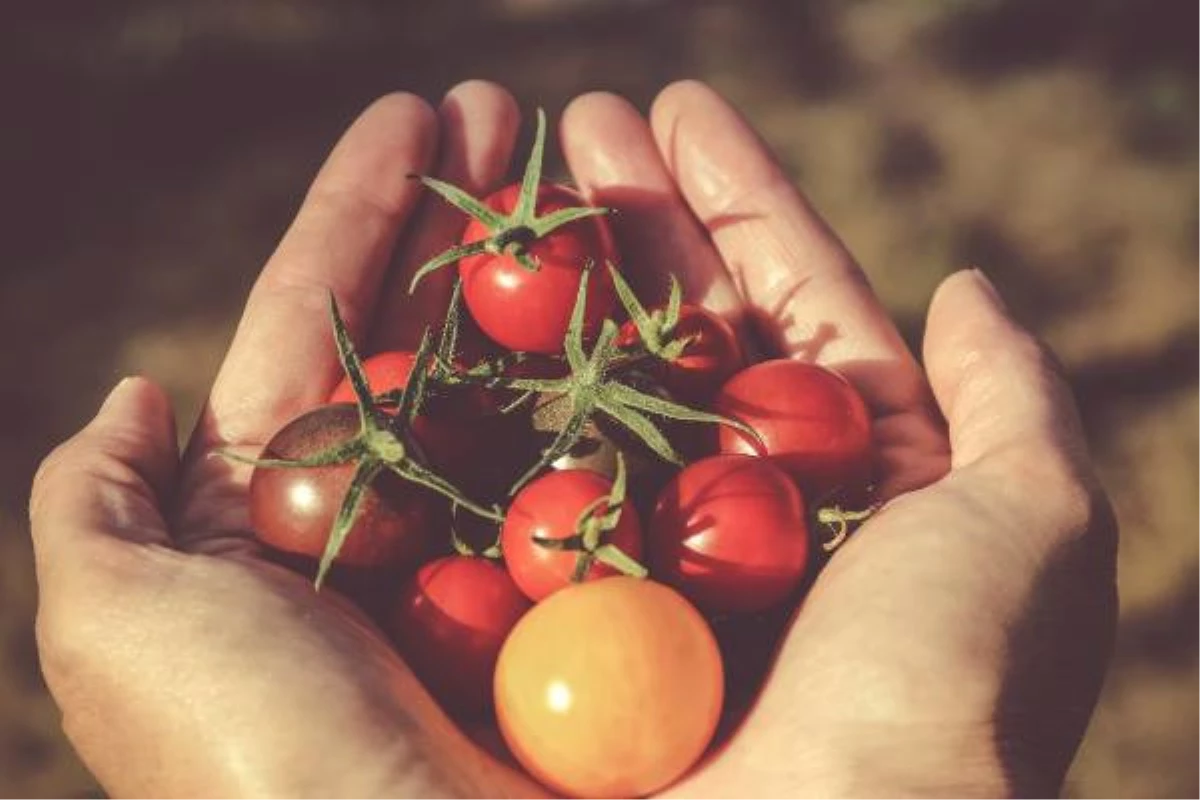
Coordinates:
(955, 645)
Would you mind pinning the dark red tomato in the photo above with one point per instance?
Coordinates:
(813, 423)
(549, 507)
(385, 372)
(525, 310)
(730, 533)
(449, 623)
(292, 508)
(712, 356)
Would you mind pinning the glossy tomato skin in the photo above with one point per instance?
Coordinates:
(813, 422)
(449, 623)
(524, 310)
(292, 508)
(711, 358)
(548, 507)
(384, 371)
(730, 533)
(609, 688)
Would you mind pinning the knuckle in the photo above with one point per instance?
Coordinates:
(1076, 505)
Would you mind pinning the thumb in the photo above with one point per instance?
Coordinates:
(1001, 391)
(1018, 452)
(107, 481)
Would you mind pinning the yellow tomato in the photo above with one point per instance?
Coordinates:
(609, 688)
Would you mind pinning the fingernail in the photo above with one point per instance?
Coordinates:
(989, 289)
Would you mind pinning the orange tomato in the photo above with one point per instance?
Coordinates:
(609, 688)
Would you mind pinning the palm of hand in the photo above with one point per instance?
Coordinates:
(908, 654)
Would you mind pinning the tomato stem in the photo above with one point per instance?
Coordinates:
(839, 519)
(593, 387)
(364, 473)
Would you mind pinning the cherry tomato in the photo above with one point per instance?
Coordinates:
(712, 356)
(730, 532)
(549, 507)
(609, 688)
(529, 310)
(292, 508)
(813, 423)
(385, 372)
(449, 623)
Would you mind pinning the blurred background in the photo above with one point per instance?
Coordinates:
(152, 153)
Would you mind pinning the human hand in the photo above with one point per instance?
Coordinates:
(894, 678)
(184, 663)
(956, 644)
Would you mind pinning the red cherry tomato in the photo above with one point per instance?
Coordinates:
(730, 533)
(712, 356)
(292, 508)
(525, 310)
(813, 423)
(609, 688)
(549, 507)
(385, 372)
(449, 623)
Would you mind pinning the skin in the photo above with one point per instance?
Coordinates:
(954, 646)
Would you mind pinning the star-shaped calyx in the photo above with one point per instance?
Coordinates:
(593, 387)
(509, 234)
(589, 541)
(656, 329)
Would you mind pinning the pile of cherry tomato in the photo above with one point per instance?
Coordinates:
(579, 514)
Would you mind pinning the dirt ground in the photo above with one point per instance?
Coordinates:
(153, 151)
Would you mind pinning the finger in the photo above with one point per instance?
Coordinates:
(478, 122)
(282, 360)
(1001, 391)
(615, 162)
(106, 483)
(810, 296)
(1022, 470)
